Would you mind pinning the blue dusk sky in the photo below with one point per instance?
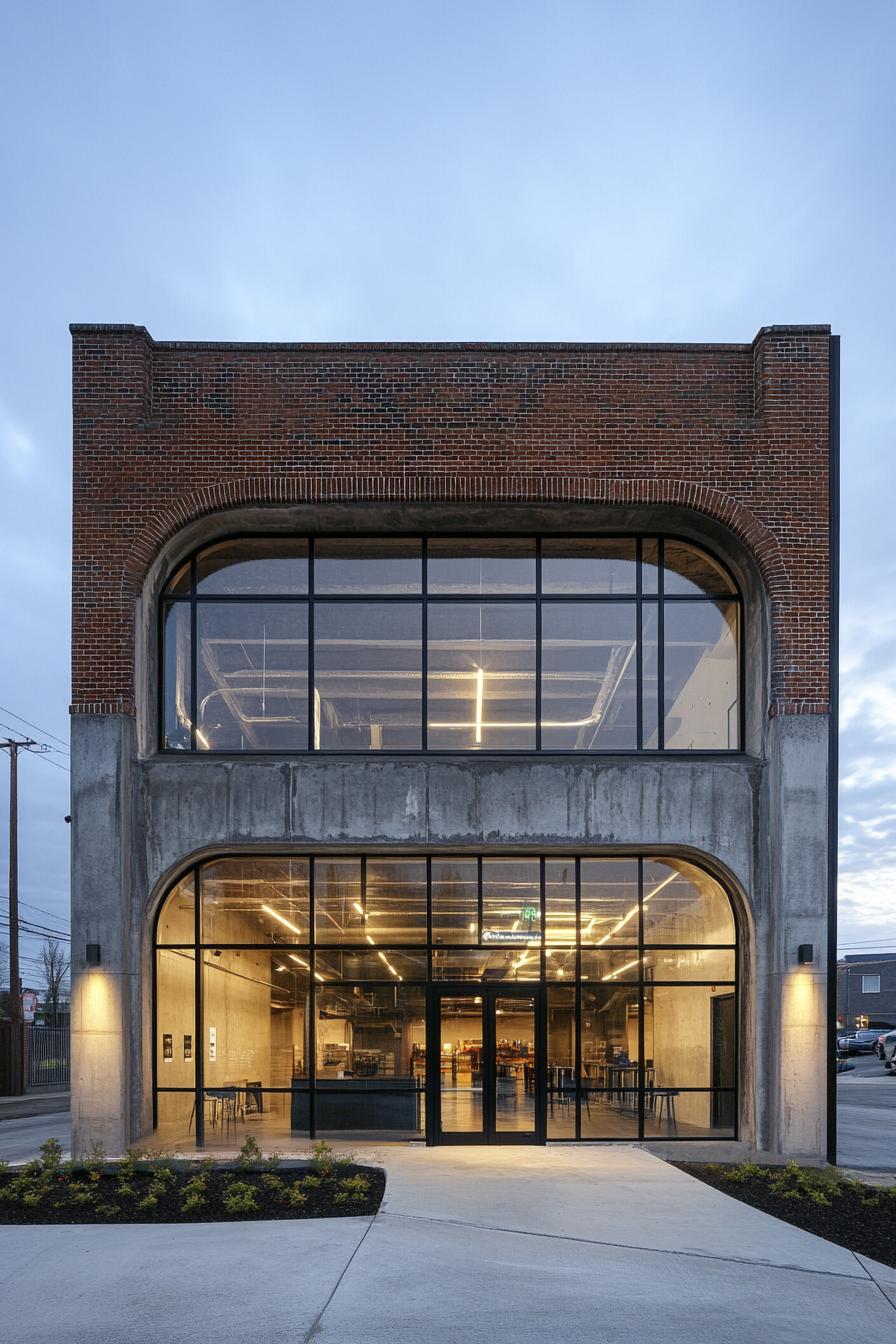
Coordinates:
(483, 170)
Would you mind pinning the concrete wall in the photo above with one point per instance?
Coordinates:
(758, 826)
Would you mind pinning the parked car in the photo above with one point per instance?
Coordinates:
(890, 1052)
(862, 1042)
(879, 1046)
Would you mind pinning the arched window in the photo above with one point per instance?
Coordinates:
(448, 996)
(561, 644)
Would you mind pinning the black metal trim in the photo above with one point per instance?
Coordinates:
(424, 598)
(833, 730)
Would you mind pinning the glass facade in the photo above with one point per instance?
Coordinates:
(501, 998)
(359, 644)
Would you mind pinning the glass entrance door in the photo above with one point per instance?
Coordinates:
(486, 1071)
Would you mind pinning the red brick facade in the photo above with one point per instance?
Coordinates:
(165, 432)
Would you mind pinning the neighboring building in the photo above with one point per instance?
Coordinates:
(866, 991)
(452, 740)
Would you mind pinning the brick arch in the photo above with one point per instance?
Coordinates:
(255, 490)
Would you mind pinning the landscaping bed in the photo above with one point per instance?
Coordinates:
(144, 1188)
(855, 1215)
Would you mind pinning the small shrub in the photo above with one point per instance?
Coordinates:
(81, 1195)
(273, 1184)
(107, 1210)
(747, 1171)
(310, 1182)
(194, 1194)
(272, 1162)
(240, 1198)
(250, 1155)
(148, 1204)
(353, 1189)
(296, 1196)
(193, 1203)
(51, 1155)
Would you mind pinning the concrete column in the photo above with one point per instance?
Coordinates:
(796, 998)
(102, 748)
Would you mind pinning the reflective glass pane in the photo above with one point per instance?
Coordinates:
(455, 901)
(701, 676)
(252, 676)
(610, 1038)
(560, 902)
(650, 565)
(370, 963)
(609, 1113)
(511, 901)
(338, 912)
(609, 902)
(560, 964)
(689, 1035)
(460, 1064)
(177, 922)
(255, 1015)
(687, 570)
(650, 676)
(671, 1114)
(367, 565)
(514, 1064)
(367, 673)
(589, 669)
(396, 900)
(269, 566)
(690, 963)
(481, 682)
(611, 966)
(372, 1032)
(255, 901)
(561, 1059)
(179, 583)
(479, 566)
(509, 964)
(684, 904)
(175, 1017)
(175, 1128)
(588, 565)
(176, 675)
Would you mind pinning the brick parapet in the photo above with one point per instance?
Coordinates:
(167, 432)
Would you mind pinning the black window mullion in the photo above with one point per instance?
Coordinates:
(578, 999)
(642, 1074)
(199, 1017)
(311, 1062)
(194, 656)
(639, 647)
(660, 647)
(429, 919)
(424, 644)
(538, 657)
(543, 903)
(479, 897)
(311, 746)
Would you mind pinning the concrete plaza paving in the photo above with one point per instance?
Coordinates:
(503, 1244)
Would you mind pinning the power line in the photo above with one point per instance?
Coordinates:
(54, 914)
(4, 710)
(45, 747)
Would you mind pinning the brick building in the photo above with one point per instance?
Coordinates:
(451, 741)
(866, 990)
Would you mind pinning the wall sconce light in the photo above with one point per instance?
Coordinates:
(93, 957)
(217, 952)
(805, 954)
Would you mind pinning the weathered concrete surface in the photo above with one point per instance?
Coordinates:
(480, 1245)
(761, 826)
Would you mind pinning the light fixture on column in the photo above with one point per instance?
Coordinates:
(805, 954)
(92, 954)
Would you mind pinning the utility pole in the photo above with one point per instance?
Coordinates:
(15, 984)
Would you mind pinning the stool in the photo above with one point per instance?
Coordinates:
(665, 1097)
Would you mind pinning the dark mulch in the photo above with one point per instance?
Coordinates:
(860, 1217)
(107, 1196)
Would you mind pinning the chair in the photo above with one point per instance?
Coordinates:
(665, 1101)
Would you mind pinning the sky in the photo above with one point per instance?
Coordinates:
(485, 170)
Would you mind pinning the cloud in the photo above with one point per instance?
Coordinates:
(17, 451)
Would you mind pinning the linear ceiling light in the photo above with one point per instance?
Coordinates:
(269, 911)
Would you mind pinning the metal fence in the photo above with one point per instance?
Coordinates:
(48, 1056)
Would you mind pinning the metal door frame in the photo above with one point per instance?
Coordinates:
(489, 993)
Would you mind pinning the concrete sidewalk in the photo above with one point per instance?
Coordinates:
(473, 1244)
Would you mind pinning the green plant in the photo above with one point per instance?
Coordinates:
(148, 1204)
(240, 1198)
(272, 1162)
(353, 1189)
(747, 1171)
(51, 1155)
(81, 1195)
(310, 1182)
(250, 1155)
(296, 1196)
(107, 1210)
(273, 1184)
(194, 1194)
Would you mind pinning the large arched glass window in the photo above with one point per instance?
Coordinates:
(339, 994)
(562, 644)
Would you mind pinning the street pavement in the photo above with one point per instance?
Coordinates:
(484, 1245)
(866, 1116)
